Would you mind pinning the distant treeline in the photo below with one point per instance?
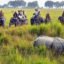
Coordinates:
(51, 4)
(21, 3)
(34, 4)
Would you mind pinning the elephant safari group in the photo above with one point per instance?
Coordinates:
(19, 18)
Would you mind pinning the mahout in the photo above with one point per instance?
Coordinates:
(2, 19)
(48, 18)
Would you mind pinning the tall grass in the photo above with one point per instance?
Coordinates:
(16, 43)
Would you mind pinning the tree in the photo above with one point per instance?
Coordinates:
(33, 4)
(17, 3)
(62, 4)
(49, 4)
(1, 6)
(57, 4)
(5, 6)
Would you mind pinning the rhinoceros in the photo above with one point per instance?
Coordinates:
(44, 40)
(58, 45)
(53, 43)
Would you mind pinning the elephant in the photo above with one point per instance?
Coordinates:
(61, 19)
(14, 21)
(2, 21)
(36, 21)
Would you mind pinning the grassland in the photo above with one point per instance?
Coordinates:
(16, 43)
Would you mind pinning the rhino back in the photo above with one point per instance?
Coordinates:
(45, 40)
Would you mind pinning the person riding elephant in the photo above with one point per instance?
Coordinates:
(48, 18)
(2, 19)
(19, 14)
(61, 18)
(22, 17)
(14, 20)
(37, 13)
(15, 14)
(36, 19)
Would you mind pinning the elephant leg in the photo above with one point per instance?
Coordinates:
(10, 24)
(16, 24)
(3, 23)
(32, 21)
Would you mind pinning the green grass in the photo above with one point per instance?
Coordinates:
(16, 43)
